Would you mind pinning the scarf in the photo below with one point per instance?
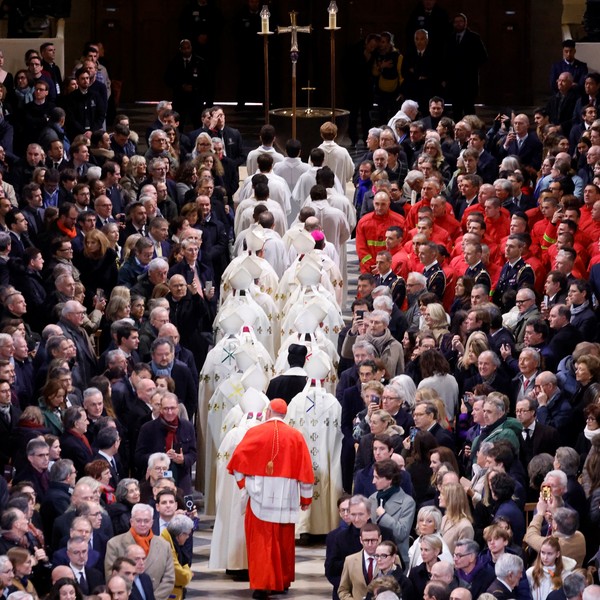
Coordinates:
(142, 540)
(70, 233)
(161, 371)
(575, 310)
(82, 438)
(590, 434)
(384, 495)
(171, 432)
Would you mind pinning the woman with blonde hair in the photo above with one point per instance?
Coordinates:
(420, 575)
(429, 521)
(203, 144)
(457, 523)
(130, 242)
(436, 319)
(549, 569)
(466, 366)
(380, 422)
(97, 265)
(135, 175)
(433, 149)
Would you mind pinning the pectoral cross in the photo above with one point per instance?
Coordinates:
(294, 29)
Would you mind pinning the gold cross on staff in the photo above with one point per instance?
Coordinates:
(294, 29)
(308, 90)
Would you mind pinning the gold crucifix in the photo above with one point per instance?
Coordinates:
(294, 29)
(308, 90)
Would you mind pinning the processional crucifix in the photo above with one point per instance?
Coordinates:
(294, 29)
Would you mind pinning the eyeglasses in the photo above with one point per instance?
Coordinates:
(378, 556)
(522, 301)
(456, 555)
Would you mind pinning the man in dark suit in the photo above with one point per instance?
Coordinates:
(36, 469)
(108, 442)
(71, 321)
(58, 497)
(465, 53)
(292, 381)
(177, 437)
(523, 143)
(165, 363)
(232, 139)
(569, 64)
(426, 419)
(9, 417)
(509, 569)
(158, 234)
(561, 106)
(566, 336)
(142, 584)
(536, 437)
(554, 408)
(88, 578)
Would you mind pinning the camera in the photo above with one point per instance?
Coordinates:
(189, 503)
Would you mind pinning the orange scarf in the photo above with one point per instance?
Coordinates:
(143, 541)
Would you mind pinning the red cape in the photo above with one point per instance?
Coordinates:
(256, 450)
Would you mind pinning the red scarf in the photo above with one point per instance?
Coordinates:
(82, 438)
(171, 435)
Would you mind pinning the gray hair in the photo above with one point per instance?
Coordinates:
(409, 104)
(492, 355)
(560, 475)
(78, 539)
(5, 338)
(121, 491)
(61, 470)
(414, 176)
(569, 460)
(180, 524)
(381, 290)
(574, 584)
(156, 133)
(112, 355)
(470, 546)
(388, 595)
(34, 445)
(141, 507)
(358, 499)
(384, 303)
(528, 293)
(534, 354)
(70, 307)
(433, 512)
(19, 595)
(155, 457)
(380, 314)
(505, 184)
(508, 564)
(375, 132)
(567, 521)
(497, 403)
(418, 278)
(157, 263)
(91, 391)
(366, 346)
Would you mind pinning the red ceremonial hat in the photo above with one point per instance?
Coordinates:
(278, 406)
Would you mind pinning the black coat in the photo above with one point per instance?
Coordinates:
(286, 387)
(6, 428)
(184, 387)
(146, 585)
(120, 516)
(56, 503)
(152, 439)
(76, 449)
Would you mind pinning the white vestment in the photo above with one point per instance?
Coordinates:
(254, 316)
(317, 415)
(228, 545)
(251, 161)
(290, 169)
(302, 189)
(278, 191)
(244, 215)
(338, 159)
(268, 280)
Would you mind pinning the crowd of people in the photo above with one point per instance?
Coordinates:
(155, 308)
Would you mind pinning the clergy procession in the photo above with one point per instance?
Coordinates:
(382, 350)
